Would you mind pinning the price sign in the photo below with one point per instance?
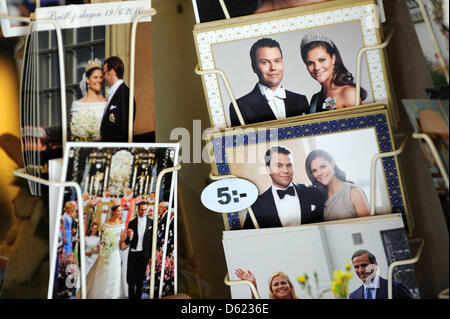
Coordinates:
(229, 195)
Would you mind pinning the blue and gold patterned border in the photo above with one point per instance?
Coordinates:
(378, 121)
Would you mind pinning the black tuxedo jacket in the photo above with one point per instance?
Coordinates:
(148, 235)
(266, 212)
(254, 107)
(399, 291)
(114, 125)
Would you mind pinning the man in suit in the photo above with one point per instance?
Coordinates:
(285, 203)
(114, 125)
(374, 286)
(139, 239)
(268, 100)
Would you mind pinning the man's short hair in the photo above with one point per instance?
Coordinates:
(276, 149)
(141, 203)
(372, 258)
(263, 43)
(116, 64)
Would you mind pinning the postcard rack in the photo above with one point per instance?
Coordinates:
(62, 77)
(21, 173)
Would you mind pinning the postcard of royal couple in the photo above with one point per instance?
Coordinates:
(83, 96)
(333, 168)
(293, 63)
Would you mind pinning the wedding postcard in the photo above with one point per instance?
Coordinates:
(83, 96)
(119, 187)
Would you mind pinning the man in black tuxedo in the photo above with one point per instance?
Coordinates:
(374, 286)
(114, 125)
(268, 100)
(139, 238)
(285, 203)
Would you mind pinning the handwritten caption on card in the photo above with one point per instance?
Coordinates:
(87, 15)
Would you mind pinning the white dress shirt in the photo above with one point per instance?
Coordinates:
(275, 99)
(113, 90)
(288, 208)
(141, 230)
(374, 284)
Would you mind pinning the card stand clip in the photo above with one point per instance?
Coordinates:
(224, 9)
(21, 173)
(375, 158)
(228, 87)
(434, 151)
(230, 283)
(62, 77)
(161, 174)
(403, 262)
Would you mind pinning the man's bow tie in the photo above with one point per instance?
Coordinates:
(280, 93)
(287, 191)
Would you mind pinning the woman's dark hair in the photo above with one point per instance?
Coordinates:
(91, 70)
(337, 171)
(341, 76)
(89, 232)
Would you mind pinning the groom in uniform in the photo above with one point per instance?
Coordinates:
(114, 125)
(268, 100)
(139, 238)
(285, 203)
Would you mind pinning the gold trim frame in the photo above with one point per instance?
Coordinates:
(237, 151)
(362, 15)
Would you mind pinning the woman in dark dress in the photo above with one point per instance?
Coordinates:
(325, 65)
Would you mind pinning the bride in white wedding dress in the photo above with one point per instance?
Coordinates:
(104, 279)
(86, 113)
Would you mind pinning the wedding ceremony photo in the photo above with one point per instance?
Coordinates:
(119, 190)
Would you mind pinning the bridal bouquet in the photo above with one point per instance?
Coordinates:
(109, 243)
(84, 126)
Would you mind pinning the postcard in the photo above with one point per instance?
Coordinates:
(118, 183)
(341, 259)
(84, 96)
(314, 171)
(293, 62)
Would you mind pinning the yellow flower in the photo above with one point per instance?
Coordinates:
(349, 275)
(301, 279)
(348, 266)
